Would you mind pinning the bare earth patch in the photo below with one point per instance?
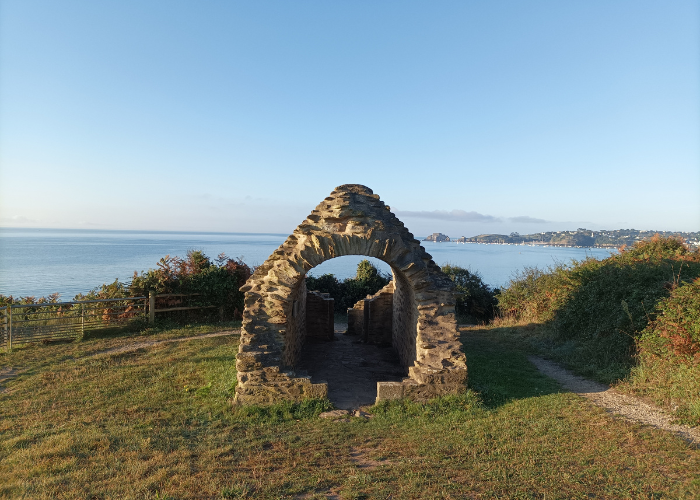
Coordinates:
(612, 401)
(358, 456)
(6, 374)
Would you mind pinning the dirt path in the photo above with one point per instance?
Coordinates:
(151, 343)
(628, 407)
(7, 373)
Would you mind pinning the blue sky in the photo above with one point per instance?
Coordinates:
(465, 117)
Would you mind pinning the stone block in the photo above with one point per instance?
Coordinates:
(389, 390)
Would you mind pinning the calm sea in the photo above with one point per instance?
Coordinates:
(39, 262)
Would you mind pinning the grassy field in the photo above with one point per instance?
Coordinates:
(157, 423)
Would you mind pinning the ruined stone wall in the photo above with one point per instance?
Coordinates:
(295, 333)
(371, 318)
(319, 316)
(356, 320)
(351, 221)
(378, 312)
(405, 315)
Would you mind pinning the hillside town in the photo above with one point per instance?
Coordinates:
(580, 238)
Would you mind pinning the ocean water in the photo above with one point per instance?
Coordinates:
(38, 262)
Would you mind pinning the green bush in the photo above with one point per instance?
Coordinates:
(601, 306)
(476, 301)
(668, 369)
(533, 295)
(367, 281)
(213, 283)
(675, 332)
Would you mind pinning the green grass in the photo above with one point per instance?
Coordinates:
(158, 423)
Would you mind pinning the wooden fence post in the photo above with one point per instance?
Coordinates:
(151, 307)
(4, 325)
(82, 321)
(9, 330)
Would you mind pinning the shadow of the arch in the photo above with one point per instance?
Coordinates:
(352, 221)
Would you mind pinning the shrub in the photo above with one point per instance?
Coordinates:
(8, 300)
(601, 306)
(367, 281)
(618, 296)
(476, 301)
(669, 355)
(533, 295)
(675, 332)
(215, 283)
(620, 290)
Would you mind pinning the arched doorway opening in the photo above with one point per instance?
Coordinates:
(349, 319)
(351, 221)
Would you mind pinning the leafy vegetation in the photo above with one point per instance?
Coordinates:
(632, 319)
(668, 368)
(156, 422)
(7, 300)
(476, 301)
(593, 311)
(676, 329)
(214, 283)
(367, 281)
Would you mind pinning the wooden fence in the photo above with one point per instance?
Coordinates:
(27, 323)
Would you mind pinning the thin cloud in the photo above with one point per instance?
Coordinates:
(17, 219)
(464, 216)
(528, 220)
(454, 215)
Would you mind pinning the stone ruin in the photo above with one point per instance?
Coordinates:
(372, 319)
(414, 313)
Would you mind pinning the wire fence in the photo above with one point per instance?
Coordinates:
(51, 321)
(28, 323)
(181, 307)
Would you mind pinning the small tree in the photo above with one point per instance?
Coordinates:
(368, 280)
(476, 301)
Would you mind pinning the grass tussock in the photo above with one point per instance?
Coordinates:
(157, 422)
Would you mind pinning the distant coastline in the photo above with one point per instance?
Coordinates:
(581, 238)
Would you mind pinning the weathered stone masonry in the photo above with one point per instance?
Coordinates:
(351, 221)
(371, 319)
(319, 316)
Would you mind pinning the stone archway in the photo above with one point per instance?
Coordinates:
(351, 221)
